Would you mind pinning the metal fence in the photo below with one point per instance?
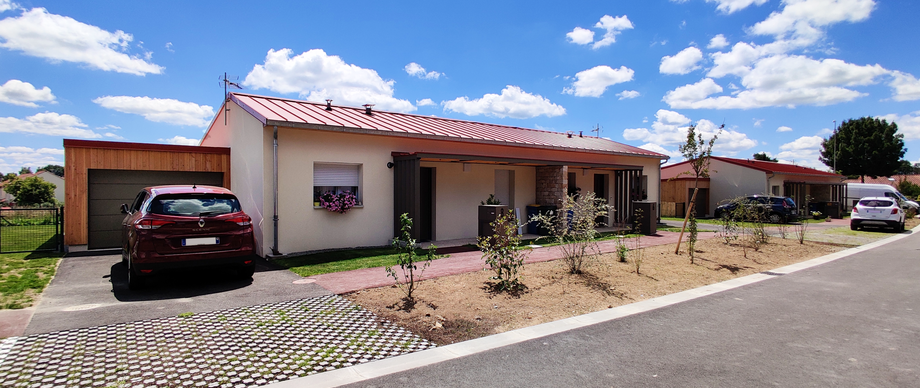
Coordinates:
(31, 230)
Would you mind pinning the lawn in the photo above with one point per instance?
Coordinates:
(28, 238)
(23, 276)
(342, 260)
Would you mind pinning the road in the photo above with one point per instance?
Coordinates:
(852, 322)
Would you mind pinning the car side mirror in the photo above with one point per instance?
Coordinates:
(124, 208)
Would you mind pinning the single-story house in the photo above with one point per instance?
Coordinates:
(892, 181)
(287, 153)
(730, 178)
(47, 176)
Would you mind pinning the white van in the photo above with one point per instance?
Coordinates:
(855, 191)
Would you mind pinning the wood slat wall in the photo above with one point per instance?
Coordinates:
(83, 156)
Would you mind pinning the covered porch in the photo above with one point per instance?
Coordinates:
(825, 197)
(442, 191)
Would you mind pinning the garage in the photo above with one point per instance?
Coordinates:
(103, 175)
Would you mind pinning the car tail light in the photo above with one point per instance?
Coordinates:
(854, 210)
(241, 220)
(894, 211)
(151, 224)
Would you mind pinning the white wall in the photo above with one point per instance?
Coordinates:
(728, 181)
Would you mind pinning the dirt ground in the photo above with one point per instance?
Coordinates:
(462, 307)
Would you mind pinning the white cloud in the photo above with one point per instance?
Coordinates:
(513, 102)
(783, 129)
(628, 94)
(906, 87)
(21, 93)
(670, 130)
(674, 154)
(594, 81)
(113, 136)
(613, 27)
(161, 110)
(15, 157)
(736, 62)
(688, 95)
(48, 123)
(802, 20)
(59, 38)
(718, 42)
(416, 70)
(758, 122)
(315, 76)
(803, 151)
(169, 47)
(580, 36)
(732, 6)
(424, 102)
(179, 140)
(684, 62)
(908, 124)
(7, 5)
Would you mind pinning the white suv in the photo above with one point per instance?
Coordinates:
(877, 211)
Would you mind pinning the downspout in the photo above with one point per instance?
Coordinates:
(769, 188)
(275, 251)
(659, 186)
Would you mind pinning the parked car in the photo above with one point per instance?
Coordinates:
(177, 227)
(877, 211)
(777, 210)
(857, 191)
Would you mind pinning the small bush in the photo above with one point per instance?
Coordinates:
(501, 252)
(573, 227)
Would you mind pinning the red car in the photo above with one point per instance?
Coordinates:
(175, 227)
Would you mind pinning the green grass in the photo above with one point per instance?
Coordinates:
(342, 260)
(27, 238)
(714, 221)
(23, 276)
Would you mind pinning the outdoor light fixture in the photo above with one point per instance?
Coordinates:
(390, 164)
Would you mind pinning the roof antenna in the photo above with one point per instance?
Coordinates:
(194, 186)
(598, 130)
(235, 85)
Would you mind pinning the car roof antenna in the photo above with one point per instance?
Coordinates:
(194, 187)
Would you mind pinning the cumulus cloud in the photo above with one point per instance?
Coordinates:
(628, 94)
(315, 76)
(161, 110)
(513, 102)
(179, 140)
(7, 5)
(906, 87)
(732, 6)
(416, 70)
(803, 151)
(684, 62)
(718, 42)
(908, 124)
(48, 123)
(21, 93)
(15, 157)
(783, 129)
(59, 38)
(424, 102)
(802, 21)
(594, 81)
(612, 27)
(670, 130)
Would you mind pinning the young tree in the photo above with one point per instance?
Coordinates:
(31, 191)
(54, 169)
(864, 146)
(697, 152)
(763, 156)
(408, 261)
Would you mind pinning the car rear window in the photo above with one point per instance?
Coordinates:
(875, 203)
(194, 204)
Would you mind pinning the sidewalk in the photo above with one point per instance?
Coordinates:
(465, 262)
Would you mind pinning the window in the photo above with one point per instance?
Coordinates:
(195, 204)
(775, 190)
(336, 178)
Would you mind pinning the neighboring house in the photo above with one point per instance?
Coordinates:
(731, 178)
(892, 181)
(44, 175)
(286, 152)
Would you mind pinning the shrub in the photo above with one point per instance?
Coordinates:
(501, 252)
(407, 259)
(573, 227)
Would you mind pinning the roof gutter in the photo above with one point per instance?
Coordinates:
(275, 251)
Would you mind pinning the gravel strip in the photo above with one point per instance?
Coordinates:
(248, 346)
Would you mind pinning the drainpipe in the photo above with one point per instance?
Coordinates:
(275, 251)
(769, 188)
(661, 163)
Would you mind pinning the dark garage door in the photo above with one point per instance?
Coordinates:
(108, 189)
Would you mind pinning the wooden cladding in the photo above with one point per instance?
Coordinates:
(80, 156)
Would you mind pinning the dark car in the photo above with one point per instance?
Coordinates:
(777, 210)
(176, 227)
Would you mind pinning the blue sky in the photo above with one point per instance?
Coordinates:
(776, 73)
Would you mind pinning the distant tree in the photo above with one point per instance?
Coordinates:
(25, 170)
(54, 169)
(865, 146)
(763, 156)
(31, 191)
(9, 177)
(908, 188)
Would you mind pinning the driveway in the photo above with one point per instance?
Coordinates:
(93, 291)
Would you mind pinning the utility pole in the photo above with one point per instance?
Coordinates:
(835, 146)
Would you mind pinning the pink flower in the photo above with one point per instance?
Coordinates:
(339, 203)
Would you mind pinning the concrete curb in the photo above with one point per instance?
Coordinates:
(405, 362)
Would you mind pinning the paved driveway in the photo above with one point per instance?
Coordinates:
(93, 291)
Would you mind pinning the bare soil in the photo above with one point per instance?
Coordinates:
(463, 307)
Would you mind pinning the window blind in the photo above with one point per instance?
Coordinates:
(335, 174)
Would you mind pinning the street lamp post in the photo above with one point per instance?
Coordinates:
(835, 146)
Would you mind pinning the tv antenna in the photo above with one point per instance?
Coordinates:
(227, 83)
(597, 128)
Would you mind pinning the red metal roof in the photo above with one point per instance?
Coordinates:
(915, 179)
(769, 167)
(287, 112)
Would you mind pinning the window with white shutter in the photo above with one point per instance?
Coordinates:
(336, 178)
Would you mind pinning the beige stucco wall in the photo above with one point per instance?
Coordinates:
(728, 181)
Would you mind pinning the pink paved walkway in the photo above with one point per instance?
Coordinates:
(465, 262)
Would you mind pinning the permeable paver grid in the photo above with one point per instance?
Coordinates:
(248, 346)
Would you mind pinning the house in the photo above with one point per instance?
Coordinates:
(731, 178)
(892, 181)
(47, 176)
(286, 153)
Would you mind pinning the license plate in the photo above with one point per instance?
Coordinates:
(875, 211)
(188, 242)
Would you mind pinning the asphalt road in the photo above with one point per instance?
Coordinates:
(853, 322)
(93, 291)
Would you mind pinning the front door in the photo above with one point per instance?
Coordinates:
(601, 184)
(425, 223)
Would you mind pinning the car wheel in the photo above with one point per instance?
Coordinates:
(135, 282)
(854, 227)
(246, 272)
(775, 218)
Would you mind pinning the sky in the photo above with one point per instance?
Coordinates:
(777, 73)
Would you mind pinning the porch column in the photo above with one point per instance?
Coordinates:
(552, 184)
